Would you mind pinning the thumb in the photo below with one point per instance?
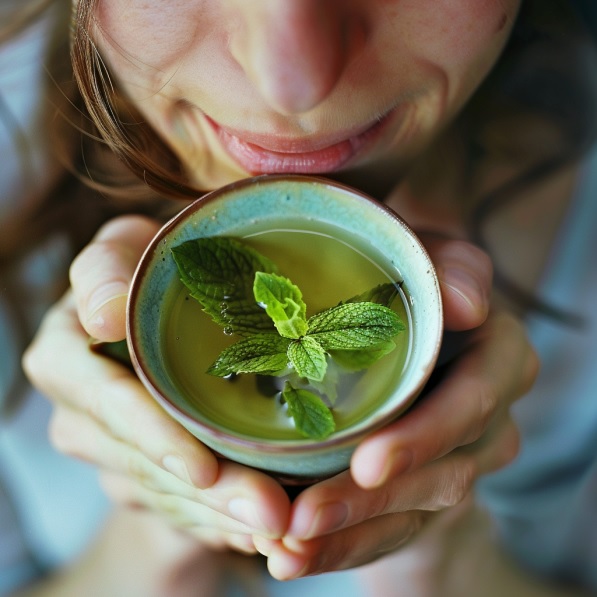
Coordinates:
(101, 274)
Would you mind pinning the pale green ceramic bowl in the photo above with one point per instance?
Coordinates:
(234, 211)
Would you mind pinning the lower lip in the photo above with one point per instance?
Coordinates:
(258, 160)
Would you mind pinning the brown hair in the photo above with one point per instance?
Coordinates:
(117, 121)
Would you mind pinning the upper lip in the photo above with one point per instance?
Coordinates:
(298, 145)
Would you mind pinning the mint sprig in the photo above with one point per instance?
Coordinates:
(241, 290)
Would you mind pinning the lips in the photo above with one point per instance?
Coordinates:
(261, 154)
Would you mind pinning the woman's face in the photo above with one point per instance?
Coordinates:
(239, 87)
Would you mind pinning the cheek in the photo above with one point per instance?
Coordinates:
(148, 39)
(459, 34)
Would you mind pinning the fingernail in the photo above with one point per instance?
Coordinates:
(395, 464)
(466, 285)
(263, 545)
(245, 511)
(176, 465)
(103, 295)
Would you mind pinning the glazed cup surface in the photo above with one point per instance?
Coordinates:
(237, 210)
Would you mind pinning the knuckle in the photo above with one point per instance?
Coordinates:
(384, 502)
(338, 558)
(64, 434)
(91, 254)
(121, 490)
(32, 363)
(417, 519)
(457, 483)
(526, 356)
(411, 524)
(420, 518)
(531, 370)
(100, 399)
(172, 507)
(405, 526)
(510, 445)
(486, 400)
(137, 467)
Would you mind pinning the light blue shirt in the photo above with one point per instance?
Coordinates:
(545, 503)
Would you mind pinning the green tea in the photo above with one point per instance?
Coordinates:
(328, 269)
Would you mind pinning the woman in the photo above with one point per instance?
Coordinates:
(371, 93)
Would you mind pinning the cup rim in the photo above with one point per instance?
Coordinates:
(302, 445)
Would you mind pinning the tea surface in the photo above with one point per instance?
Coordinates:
(328, 270)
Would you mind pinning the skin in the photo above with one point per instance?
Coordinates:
(301, 80)
(299, 76)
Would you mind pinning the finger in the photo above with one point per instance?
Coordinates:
(465, 275)
(339, 503)
(74, 433)
(60, 364)
(355, 546)
(180, 511)
(252, 501)
(102, 272)
(496, 448)
(203, 525)
(498, 369)
(251, 497)
(219, 540)
(241, 501)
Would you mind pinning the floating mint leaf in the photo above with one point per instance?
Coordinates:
(308, 358)
(283, 302)
(219, 272)
(261, 353)
(311, 416)
(382, 294)
(355, 360)
(354, 326)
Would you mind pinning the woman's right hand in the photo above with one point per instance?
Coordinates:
(103, 414)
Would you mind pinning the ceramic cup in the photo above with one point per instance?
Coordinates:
(288, 202)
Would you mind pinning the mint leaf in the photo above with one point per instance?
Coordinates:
(311, 416)
(261, 353)
(308, 358)
(219, 273)
(355, 360)
(354, 326)
(283, 302)
(382, 294)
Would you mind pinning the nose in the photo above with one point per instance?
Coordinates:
(294, 51)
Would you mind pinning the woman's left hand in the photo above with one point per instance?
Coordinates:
(429, 459)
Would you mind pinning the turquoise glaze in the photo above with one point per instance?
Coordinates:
(238, 210)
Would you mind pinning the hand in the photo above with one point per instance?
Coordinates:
(428, 459)
(104, 415)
